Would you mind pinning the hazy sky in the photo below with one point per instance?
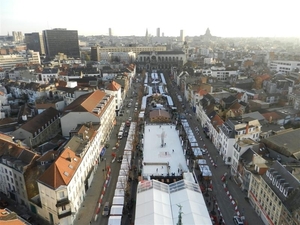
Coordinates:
(225, 18)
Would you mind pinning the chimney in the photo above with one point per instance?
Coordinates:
(247, 127)
(69, 157)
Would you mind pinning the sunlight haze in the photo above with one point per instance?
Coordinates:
(230, 18)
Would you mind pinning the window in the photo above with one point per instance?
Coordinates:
(63, 208)
(61, 194)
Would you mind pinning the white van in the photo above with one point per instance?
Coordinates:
(120, 135)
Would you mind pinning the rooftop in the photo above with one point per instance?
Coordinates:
(163, 153)
(159, 203)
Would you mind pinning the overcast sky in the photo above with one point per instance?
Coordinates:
(225, 18)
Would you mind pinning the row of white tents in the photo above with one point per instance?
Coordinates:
(116, 210)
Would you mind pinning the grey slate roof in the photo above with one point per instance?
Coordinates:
(284, 177)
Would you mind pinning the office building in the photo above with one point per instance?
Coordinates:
(61, 41)
(158, 32)
(35, 42)
(110, 32)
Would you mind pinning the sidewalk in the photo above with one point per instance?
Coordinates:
(87, 211)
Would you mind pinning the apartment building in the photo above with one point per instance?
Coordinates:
(122, 57)
(39, 129)
(63, 185)
(15, 160)
(234, 130)
(284, 66)
(239, 148)
(114, 89)
(269, 193)
(95, 107)
(220, 73)
(9, 61)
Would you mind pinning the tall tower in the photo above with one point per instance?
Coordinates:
(157, 32)
(182, 37)
(110, 32)
(147, 36)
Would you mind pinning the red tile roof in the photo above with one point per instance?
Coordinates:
(265, 77)
(271, 116)
(86, 102)
(216, 121)
(239, 95)
(113, 86)
(62, 170)
(202, 92)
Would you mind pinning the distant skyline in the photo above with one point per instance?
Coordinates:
(231, 18)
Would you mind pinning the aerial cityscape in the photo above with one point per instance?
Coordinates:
(150, 125)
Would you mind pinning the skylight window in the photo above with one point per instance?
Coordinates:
(66, 173)
(70, 166)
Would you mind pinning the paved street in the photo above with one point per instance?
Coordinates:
(226, 207)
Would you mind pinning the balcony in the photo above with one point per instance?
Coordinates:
(62, 202)
(65, 214)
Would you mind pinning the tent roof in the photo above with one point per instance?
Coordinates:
(157, 203)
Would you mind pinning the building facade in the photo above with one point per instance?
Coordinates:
(268, 193)
(39, 129)
(95, 107)
(63, 186)
(35, 42)
(157, 60)
(97, 50)
(61, 41)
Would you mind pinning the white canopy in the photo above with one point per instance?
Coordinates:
(157, 203)
(116, 210)
(119, 193)
(205, 170)
(114, 220)
(118, 200)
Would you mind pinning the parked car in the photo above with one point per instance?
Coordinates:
(106, 209)
(237, 220)
(120, 158)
